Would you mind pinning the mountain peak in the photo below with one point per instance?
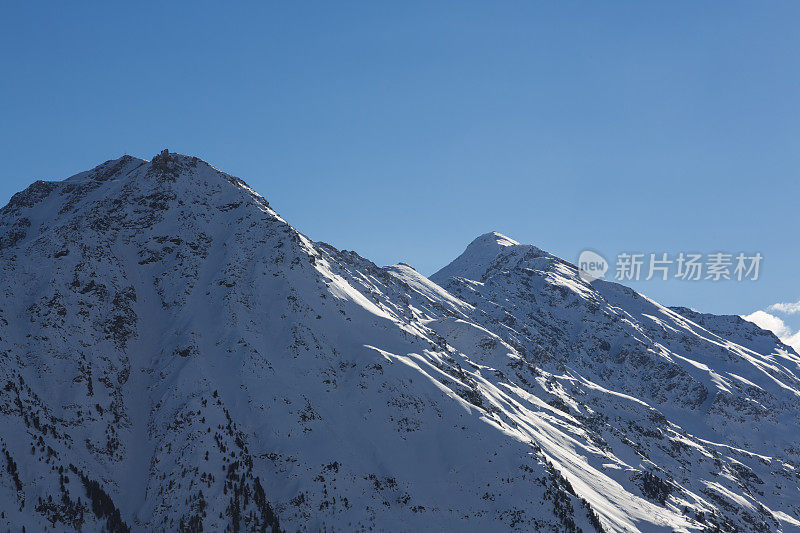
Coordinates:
(165, 163)
(165, 158)
(493, 238)
(478, 255)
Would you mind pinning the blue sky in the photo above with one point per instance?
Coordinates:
(403, 130)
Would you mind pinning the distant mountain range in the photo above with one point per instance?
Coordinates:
(176, 356)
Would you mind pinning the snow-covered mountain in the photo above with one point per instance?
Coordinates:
(175, 356)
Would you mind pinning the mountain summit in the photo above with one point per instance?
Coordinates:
(477, 257)
(176, 356)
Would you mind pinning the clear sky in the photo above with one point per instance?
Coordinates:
(404, 129)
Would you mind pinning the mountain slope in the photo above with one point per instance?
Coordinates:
(173, 355)
(722, 388)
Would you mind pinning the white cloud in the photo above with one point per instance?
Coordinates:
(793, 341)
(777, 326)
(769, 322)
(788, 308)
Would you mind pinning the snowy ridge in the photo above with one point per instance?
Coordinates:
(174, 355)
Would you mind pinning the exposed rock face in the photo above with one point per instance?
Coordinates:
(173, 355)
